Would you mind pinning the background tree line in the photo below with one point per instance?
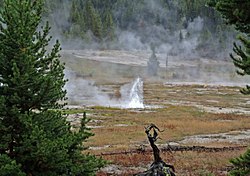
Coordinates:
(158, 21)
(102, 21)
(126, 14)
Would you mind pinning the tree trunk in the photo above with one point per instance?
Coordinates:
(158, 167)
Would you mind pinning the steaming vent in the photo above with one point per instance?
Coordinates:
(136, 94)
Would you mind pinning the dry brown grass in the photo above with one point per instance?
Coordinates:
(179, 118)
(178, 121)
(186, 163)
(218, 96)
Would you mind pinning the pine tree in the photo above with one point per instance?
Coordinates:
(74, 12)
(35, 137)
(76, 19)
(242, 165)
(108, 26)
(96, 26)
(93, 20)
(237, 13)
(9, 167)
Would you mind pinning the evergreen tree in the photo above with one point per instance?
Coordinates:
(96, 26)
(108, 26)
(242, 165)
(74, 12)
(78, 27)
(237, 13)
(93, 19)
(35, 137)
(9, 167)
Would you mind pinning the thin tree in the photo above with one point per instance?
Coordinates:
(108, 26)
(35, 137)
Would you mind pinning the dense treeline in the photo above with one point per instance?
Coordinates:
(150, 21)
(102, 16)
(158, 21)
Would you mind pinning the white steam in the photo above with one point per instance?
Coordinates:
(86, 93)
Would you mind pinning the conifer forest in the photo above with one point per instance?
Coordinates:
(108, 23)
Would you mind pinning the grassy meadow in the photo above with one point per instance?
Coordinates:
(119, 130)
(181, 110)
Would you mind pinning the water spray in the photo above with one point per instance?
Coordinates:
(136, 94)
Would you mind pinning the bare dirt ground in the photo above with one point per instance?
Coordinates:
(196, 102)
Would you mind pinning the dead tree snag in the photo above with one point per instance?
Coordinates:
(158, 167)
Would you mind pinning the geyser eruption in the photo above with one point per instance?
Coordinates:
(83, 92)
(136, 94)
